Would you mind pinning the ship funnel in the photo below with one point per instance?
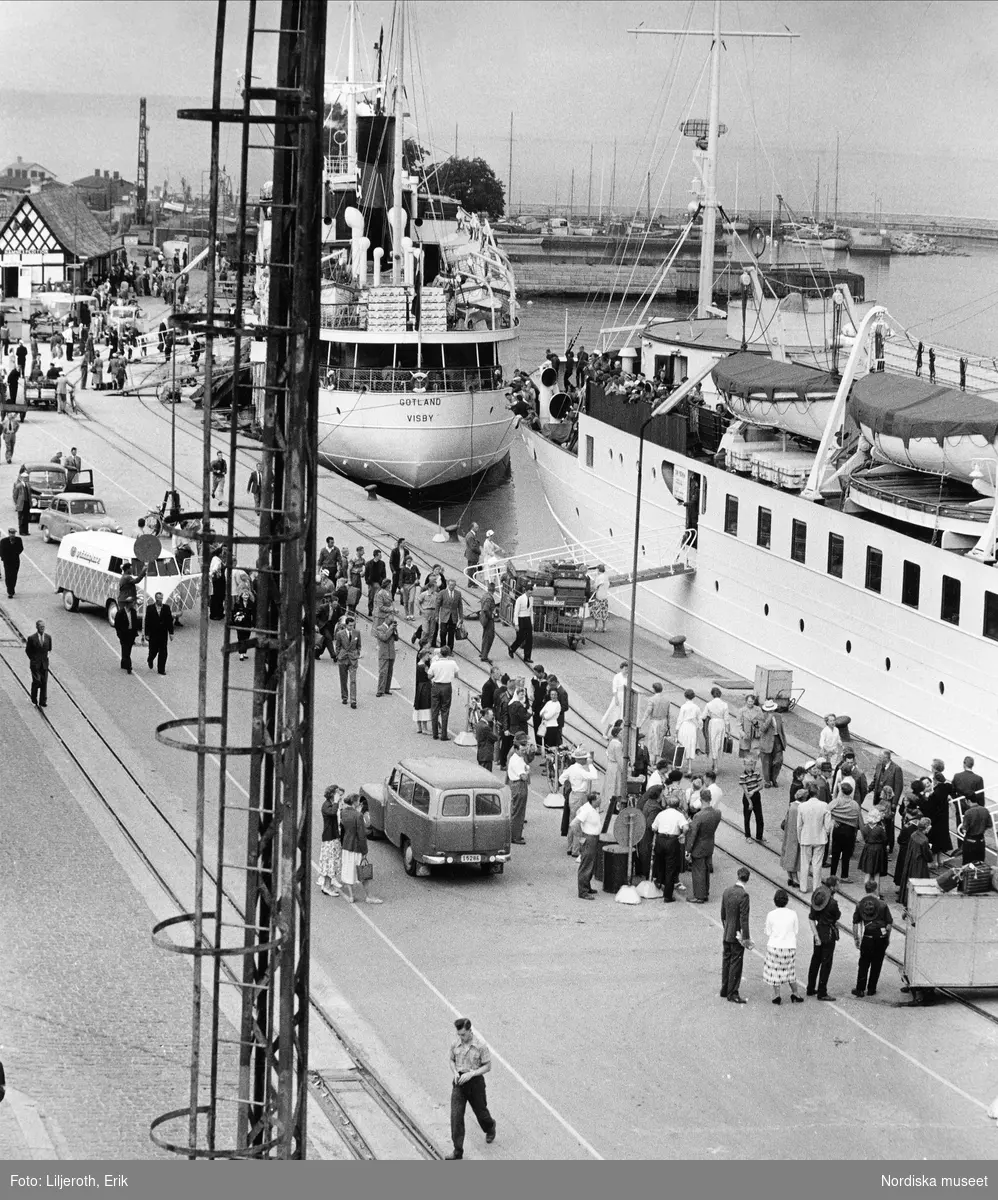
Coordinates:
(379, 254)
(553, 404)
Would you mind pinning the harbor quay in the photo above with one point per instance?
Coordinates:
(661, 1068)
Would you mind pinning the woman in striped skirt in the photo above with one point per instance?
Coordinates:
(781, 949)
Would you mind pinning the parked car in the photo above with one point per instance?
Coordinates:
(72, 512)
(440, 811)
(48, 480)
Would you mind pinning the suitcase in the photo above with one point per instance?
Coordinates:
(947, 880)
(975, 879)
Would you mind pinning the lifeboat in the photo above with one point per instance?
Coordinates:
(922, 426)
(776, 395)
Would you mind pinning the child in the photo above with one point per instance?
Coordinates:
(751, 782)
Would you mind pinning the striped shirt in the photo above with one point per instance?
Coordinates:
(750, 780)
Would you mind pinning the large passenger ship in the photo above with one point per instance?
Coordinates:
(841, 505)
(419, 311)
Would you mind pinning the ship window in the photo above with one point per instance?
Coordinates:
(798, 541)
(836, 554)
(731, 515)
(589, 451)
(949, 608)
(703, 495)
(911, 577)
(991, 616)
(874, 569)
(764, 528)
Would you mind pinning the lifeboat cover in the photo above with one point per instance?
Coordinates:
(757, 375)
(896, 406)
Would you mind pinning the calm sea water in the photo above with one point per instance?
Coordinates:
(942, 300)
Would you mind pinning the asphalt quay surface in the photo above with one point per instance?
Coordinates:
(607, 1016)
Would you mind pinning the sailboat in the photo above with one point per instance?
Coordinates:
(419, 309)
(835, 238)
(835, 515)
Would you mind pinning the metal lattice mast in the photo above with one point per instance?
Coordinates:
(261, 906)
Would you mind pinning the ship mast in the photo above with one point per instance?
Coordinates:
(352, 95)
(397, 217)
(706, 289)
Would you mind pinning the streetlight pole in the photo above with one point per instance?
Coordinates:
(629, 697)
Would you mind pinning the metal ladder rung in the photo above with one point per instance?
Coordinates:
(238, 983)
(228, 866)
(260, 812)
(255, 691)
(224, 1041)
(247, 1103)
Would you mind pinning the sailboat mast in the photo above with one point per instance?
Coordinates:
(706, 289)
(352, 95)
(589, 194)
(509, 188)
(613, 179)
(397, 225)
(836, 218)
(648, 199)
(817, 193)
(602, 176)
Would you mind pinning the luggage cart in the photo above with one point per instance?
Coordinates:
(559, 602)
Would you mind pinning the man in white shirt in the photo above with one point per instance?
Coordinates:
(580, 776)
(710, 781)
(669, 828)
(442, 672)
(522, 610)
(588, 823)
(518, 775)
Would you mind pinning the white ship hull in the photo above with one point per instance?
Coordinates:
(908, 679)
(972, 459)
(414, 441)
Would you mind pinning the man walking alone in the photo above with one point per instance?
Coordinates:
(38, 647)
(735, 919)
(159, 632)
(470, 1062)
(11, 549)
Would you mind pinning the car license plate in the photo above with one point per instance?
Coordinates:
(471, 858)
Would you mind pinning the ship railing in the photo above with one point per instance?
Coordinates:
(352, 315)
(412, 380)
(337, 164)
(660, 552)
(980, 374)
(942, 508)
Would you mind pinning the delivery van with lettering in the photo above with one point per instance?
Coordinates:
(90, 565)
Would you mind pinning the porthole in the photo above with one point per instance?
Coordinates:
(610, 452)
(801, 623)
(887, 664)
(654, 473)
(611, 533)
(717, 586)
(620, 459)
(848, 647)
(577, 513)
(765, 609)
(942, 688)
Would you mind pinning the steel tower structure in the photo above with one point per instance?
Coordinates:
(249, 925)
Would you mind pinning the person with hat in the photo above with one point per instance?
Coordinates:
(491, 553)
(518, 778)
(579, 776)
(772, 743)
(873, 860)
(11, 549)
(823, 919)
(872, 923)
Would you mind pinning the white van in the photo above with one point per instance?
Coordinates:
(89, 569)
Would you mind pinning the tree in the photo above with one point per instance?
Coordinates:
(414, 154)
(472, 182)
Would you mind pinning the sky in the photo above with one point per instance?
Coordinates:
(910, 88)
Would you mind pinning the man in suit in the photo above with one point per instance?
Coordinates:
(485, 739)
(159, 632)
(395, 560)
(451, 614)
(968, 785)
(11, 549)
(814, 823)
(387, 634)
(487, 616)
(375, 574)
(772, 743)
(700, 847)
(735, 919)
(22, 502)
(888, 774)
(38, 648)
(128, 628)
(347, 643)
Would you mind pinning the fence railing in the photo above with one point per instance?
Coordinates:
(400, 379)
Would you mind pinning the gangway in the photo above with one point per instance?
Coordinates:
(662, 553)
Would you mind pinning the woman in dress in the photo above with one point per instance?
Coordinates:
(613, 780)
(354, 841)
(615, 709)
(830, 741)
(715, 713)
(873, 860)
(599, 602)
(936, 808)
(688, 725)
(331, 851)
(790, 851)
(421, 700)
(216, 575)
(781, 949)
(243, 610)
(915, 861)
(491, 553)
(749, 721)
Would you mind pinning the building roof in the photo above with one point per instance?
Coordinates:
(69, 220)
(25, 166)
(101, 183)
